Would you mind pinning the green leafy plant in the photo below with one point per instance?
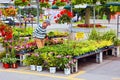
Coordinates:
(116, 42)
(109, 35)
(13, 60)
(94, 35)
(5, 60)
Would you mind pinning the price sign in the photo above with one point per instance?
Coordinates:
(79, 35)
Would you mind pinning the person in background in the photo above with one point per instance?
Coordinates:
(40, 33)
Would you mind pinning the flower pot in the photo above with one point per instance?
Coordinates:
(67, 71)
(6, 65)
(39, 68)
(32, 67)
(52, 70)
(14, 65)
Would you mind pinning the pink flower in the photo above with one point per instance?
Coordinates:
(74, 60)
(67, 65)
(37, 55)
(58, 56)
(68, 56)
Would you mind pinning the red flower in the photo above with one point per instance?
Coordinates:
(53, 2)
(23, 0)
(2, 28)
(70, 14)
(58, 15)
(3, 33)
(8, 37)
(56, 21)
(62, 12)
(55, 17)
(28, 4)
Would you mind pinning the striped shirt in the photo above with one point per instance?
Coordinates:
(39, 32)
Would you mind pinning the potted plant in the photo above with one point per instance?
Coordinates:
(14, 62)
(31, 60)
(39, 63)
(6, 62)
(51, 62)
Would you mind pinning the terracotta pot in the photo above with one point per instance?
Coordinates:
(14, 65)
(6, 65)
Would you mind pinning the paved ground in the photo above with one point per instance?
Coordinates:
(88, 70)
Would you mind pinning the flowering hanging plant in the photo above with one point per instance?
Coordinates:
(10, 11)
(64, 16)
(22, 2)
(6, 31)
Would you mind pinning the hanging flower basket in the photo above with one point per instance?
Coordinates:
(64, 16)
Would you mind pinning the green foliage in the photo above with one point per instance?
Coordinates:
(2, 54)
(20, 3)
(13, 60)
(46, 5)
(5, 60)
(58, 3)
(94, 35)
(31, 60)
(109, 35)
(116, 42)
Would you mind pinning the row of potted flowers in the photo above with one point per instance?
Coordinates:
(49, 61)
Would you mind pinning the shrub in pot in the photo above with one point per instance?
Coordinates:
(31, 60)
(14, 62)
(40, 62)
(6, 62)
(51, 60)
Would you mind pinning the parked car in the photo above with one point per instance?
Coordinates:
(11, 21)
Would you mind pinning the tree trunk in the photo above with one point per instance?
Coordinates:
(87, 16)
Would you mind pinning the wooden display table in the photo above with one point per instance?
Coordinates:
(99, 55)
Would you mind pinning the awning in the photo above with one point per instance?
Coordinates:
(55, 7)
(113, 4)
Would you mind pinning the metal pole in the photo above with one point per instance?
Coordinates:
(38, 13)
(94, 15)
(118, 25)
(20, 16)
